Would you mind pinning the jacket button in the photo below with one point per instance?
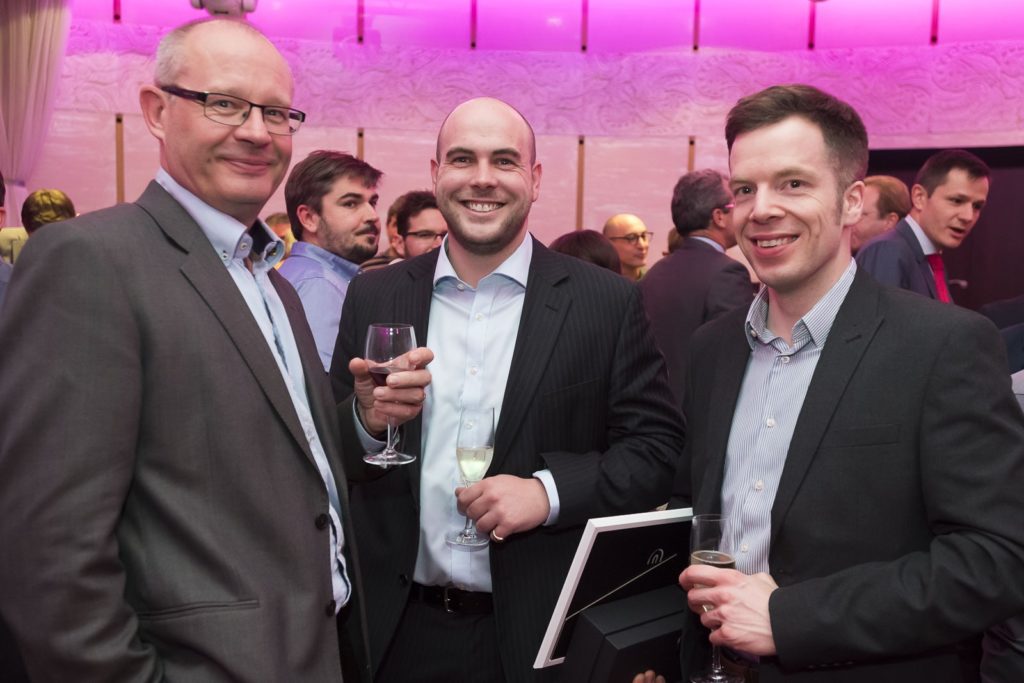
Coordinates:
(322, 520)
(403, 579)
(329, 610)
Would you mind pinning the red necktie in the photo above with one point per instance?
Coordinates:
(939, 273)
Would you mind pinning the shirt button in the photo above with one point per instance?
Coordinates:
(460, 287)
(322, 520)
(472, 371)
(770, 422)
(744, 548)
(759, 485)
(479, 316)
(753, 333)
(785, 360)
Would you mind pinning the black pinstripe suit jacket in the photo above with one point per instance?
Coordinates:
(587, 398)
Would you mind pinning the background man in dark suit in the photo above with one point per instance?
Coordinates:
(948, 195)
(168, 441)
(860, 438)
(697, 282)
(886, 203)
(561, 349)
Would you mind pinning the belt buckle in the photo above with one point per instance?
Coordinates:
(447, 598)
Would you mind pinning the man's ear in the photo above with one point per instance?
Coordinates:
(153, 103)
(918, 196)
(853, 203)
(399, 244)
(308, 218)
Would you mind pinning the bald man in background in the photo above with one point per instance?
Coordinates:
(631, 239)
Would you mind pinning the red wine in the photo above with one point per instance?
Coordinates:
(713, 558)
(379, 374)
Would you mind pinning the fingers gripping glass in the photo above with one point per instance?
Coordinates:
(234, 111)
(474, 449)
(635, 237)
(386, 346)
(711, 544)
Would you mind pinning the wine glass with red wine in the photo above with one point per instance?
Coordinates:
(711, 544)
(386, 346)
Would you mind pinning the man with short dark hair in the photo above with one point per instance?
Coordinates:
(562, 352)
(858, 438)
(420, 227)
(886, 203)
(172, 499)
(332, 205)
(697, 282)
(947, 198)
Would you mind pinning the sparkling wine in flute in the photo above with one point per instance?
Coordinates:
(473, 462)
(713, 558)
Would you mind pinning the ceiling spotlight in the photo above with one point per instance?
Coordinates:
(231, 8)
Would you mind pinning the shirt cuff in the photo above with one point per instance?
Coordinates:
(368, 442)
(549, 486)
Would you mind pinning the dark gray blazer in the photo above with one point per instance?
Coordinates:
(895, 258)
(894, 533)
(586, 398)
(692, 285)
(159, 504)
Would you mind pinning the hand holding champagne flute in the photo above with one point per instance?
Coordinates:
(474, 448)
(711, 544)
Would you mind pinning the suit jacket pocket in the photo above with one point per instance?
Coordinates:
(865, 435)
(196, 608)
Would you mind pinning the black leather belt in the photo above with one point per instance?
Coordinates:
(452, 600)
(737, 664)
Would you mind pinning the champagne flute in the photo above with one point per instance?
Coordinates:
(386, 344)
(711, 544)
(474, 449)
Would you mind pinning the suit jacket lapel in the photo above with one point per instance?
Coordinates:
(907, 233)
(544, 311)
(730, 366)
(211, 280)
(412, 305)
(854, 328)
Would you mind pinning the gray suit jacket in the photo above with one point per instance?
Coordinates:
(160, 510)
(586, 398)
(694, 284)
(894, 534)
(895, 258)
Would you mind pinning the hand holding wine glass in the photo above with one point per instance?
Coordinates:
(386, 347)
(474, 448)
(711, 544)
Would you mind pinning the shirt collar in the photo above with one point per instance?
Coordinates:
(814, 326)
(927, 246)
(343, 267)
(230, 239)
(707, 240)
(516, 267)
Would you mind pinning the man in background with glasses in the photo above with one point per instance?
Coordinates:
(631, 239)
(420, 225)
(697, 282)
(168, 443)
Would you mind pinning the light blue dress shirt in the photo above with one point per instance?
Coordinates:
(321, 279)
(233, 244)
(769, 403)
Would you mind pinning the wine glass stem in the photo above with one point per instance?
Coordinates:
(716, 659)
(392, 437)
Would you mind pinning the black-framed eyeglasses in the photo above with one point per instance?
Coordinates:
(234, 111)
(635, 237)
(426, 235)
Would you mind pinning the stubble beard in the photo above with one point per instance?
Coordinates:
(483, 246)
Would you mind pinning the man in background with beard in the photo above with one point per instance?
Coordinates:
(563, 353)
(331, 199)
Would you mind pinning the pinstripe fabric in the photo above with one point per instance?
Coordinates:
(586, 398)
(770, 400)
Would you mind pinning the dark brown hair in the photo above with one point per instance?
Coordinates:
(590, 246)
(937, 168)
(312, 178)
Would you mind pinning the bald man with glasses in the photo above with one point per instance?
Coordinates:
(631, 238)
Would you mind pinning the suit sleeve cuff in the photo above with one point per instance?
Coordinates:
(549, 486)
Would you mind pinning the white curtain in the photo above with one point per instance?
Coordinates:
(33, 36)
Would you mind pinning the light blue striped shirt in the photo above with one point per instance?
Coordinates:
(770, 400)
(233, 244)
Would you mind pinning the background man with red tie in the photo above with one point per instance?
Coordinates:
(948, 195)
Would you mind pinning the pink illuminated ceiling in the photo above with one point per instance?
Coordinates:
(601, 26)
